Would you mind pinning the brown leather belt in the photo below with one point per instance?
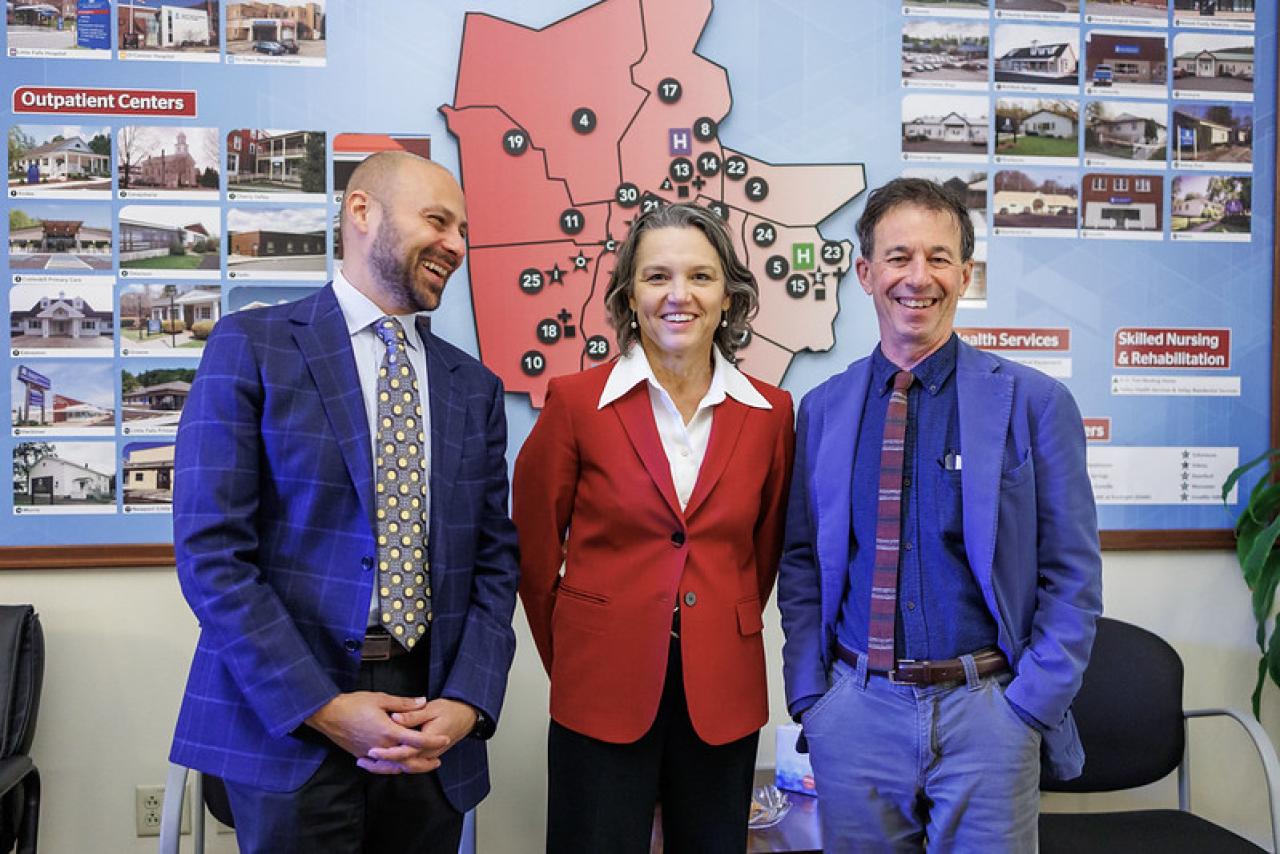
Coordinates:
(380, 646)
(920, 672)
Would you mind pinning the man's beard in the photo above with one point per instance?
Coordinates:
(395, 272)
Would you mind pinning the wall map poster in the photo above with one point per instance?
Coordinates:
(170, 161)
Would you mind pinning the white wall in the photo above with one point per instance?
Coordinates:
(119, 642)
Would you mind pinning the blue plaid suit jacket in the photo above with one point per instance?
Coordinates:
(274, 536)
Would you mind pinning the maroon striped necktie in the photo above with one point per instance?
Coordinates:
(884, 576)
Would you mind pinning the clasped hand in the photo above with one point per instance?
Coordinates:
(393, 735)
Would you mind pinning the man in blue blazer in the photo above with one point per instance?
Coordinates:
(941, 574)
(306, 557)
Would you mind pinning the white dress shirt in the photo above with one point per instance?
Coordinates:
(684, 444)
(361, 314)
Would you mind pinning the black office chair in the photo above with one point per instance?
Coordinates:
(1131, 720)
(21, 677)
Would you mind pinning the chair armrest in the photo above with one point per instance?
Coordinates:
(1266, 752)
(12, 771)
(175, 790)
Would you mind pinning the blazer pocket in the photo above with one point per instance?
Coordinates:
(1019, 473)
(750, 620)
(580, 609)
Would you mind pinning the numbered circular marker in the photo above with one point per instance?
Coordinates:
(531, 280)
(597, 348)
(704, 129)
(572, 221)
(584, 120)
(776, 268)
(756, 189)
(680, 170)
(515, 142)
(832, 252)
(764, 234)
(549, 331)
(797, 286)
(669, 90)
(650, 202)
(720, 209)
(627, 195)
(533, 363)
(735, 168)
(708, 164)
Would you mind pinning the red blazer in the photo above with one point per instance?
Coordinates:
(593, 489)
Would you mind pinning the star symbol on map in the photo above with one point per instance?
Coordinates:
(580, 261)
(555, 274)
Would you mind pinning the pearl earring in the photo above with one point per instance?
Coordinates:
(633, 323)
(724, 323)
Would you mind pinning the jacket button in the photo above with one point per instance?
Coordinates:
(366, 562)
(690, 599)
(677, 539)
(351, 644)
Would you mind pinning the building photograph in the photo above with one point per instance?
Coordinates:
(1207, 13)
(68, 238)
(1041, 56)
(349, 149)
(1212, 63)
(1035, 201)
(968, 184)
(1066, 7)
(64, 317)
(154, 397)
(170, 319)
(276, 239)
(172, 26)
(1213, 133)
(945, 6)
(154, 237)
(956, 52)
(249, 297)
(1155, 11)
(1037, 127)
(51, 25)
(942, 124)
(147, 473)
(1119, 61)
(275, 161)
(1122, 202)
(64, 474)
(63, 396)
(293, 28)
(1126, 130)
(60, 157)
(1209, 204)
(167, 158)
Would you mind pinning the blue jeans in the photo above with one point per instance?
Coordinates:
(898, 766)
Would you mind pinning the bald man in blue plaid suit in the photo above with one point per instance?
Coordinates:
(330, 734)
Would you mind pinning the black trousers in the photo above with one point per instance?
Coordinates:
(601, 796)
(342, 809)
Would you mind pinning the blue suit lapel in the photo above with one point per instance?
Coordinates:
(320, 332)
(986, 403)
(448, 420)
(839, 418)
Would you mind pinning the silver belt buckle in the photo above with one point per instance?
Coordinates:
(893, 674)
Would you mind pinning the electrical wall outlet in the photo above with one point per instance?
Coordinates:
(149, 806)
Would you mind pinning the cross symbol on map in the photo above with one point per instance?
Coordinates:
(698, 183)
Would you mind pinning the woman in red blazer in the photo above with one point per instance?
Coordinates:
(649, 501)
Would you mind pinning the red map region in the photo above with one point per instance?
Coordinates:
(513, 320)
(541, 77)
(510, 199)
(567, 133)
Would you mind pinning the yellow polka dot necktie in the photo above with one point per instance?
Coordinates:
(404, 591)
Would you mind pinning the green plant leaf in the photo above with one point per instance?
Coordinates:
(1264, 593)
(1258, 552)
(1255, 699)
(1264, 501)
(1239, 471)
